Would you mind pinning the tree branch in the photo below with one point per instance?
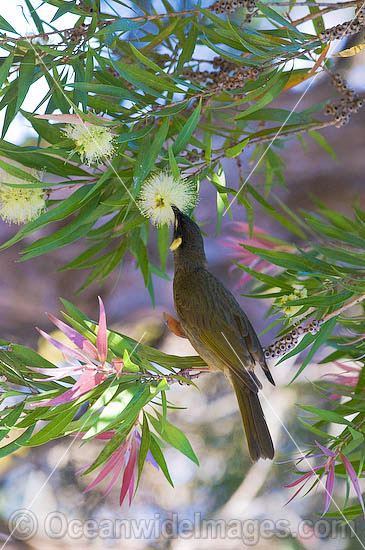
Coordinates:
(328, 7)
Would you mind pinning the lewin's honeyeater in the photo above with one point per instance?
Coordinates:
(218, 329)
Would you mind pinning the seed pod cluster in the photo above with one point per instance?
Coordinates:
(77, 33)
(227, 75)
(350, 103)
(229, 6)
(347, 28)
(194, 155)
(290, 340)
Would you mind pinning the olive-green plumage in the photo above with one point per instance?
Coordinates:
(219, 330)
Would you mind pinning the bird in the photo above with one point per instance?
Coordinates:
(212, 320)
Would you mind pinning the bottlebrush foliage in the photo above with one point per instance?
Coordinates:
(134, 96)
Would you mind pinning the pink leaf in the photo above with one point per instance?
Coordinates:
(85, 466)
(294, 459)
(362, 337)
(296, 493)
(59, 372)
(62, 347)
(118, 468)
(352, 475)
(108, 434)
(128, 472)
(330, 482)
(131, 489)
(80, 341)
(307, 475)
(88, 380)
(108, 467)
(118, 365)
(326, 451)
(102, 338)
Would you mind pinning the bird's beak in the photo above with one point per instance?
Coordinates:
(178, 240)
(175, 210)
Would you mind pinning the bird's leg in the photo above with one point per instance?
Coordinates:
(187, 373)
(174, 325)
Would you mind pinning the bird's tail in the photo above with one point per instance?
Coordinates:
(259, 441)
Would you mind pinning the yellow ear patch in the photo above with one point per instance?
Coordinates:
(176, 243)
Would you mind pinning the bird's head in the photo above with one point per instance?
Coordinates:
(187, 243)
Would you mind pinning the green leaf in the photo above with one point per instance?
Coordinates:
(134, 135)
(158, 456)
(273, 88)
(113, 410)
(18, 173)
(121, 25)
(26, 72)
(54, 428)
(141, 254)
(173, 165)
(328, 416)
(35, 17)
(4, 25)
(17, 443)
(148, 154)
(321, 338)
(288, 224)
(307, 340)
(187, 49)
(8, 421)
(144, 79)
(145, 445)
(163, 244)
(164, 410)
(237, 149)
(275, 16)
(313, 429)
(267, 279)
(321, 140)
(5, 67)
(175, 437)
(187, 131)
(114, 91)
(161, 36)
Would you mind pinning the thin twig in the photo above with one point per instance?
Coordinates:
(311, 16)
(328, 7)
(288, 133)
(346, 306)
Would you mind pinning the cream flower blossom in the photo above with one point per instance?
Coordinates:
(18, 204)
(298, 292)
(93, 143)
(161, 191)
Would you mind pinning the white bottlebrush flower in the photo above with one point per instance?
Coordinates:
(161, 191)
(18, 204)
(93, 143)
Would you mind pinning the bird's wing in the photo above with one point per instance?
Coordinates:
(221, 325)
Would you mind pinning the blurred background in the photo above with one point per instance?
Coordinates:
(227, 486)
